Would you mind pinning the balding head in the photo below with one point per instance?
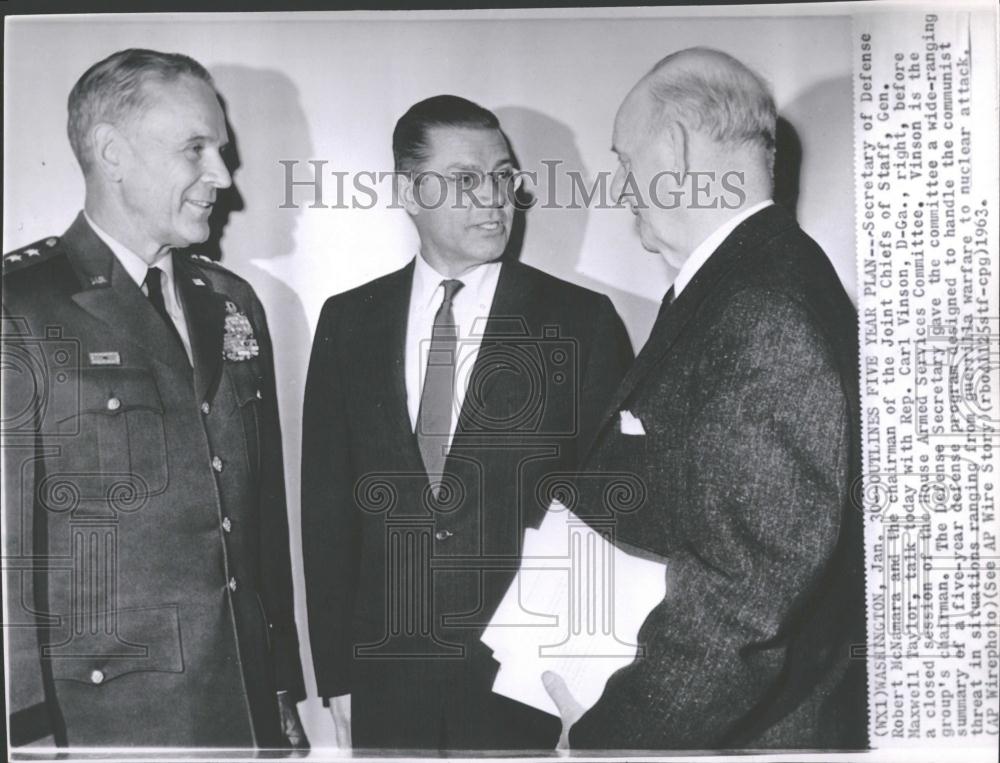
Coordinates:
(114, 90)
(711, 93)
(695, 144)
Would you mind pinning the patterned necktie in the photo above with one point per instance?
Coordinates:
(438, 395)
(154, 288)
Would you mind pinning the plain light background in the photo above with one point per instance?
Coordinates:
(330, 87)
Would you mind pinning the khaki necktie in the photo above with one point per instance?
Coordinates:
(438, 394)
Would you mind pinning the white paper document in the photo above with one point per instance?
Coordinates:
(575, 608)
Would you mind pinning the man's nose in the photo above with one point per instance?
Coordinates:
(490, 191)
(217, 173)
(618, 185)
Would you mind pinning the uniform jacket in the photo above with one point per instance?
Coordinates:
(400, 588)
(747, 392)
(145, 520)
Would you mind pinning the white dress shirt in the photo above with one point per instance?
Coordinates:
(705, 249)
(471, 309)
(136, 268)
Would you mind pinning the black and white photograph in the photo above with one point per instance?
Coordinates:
(615, 382)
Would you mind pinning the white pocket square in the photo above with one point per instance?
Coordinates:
(630, 424)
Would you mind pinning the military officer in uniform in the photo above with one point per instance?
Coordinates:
(146, 539)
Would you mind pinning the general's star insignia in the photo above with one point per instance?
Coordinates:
(32, 252)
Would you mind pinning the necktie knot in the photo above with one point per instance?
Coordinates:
(668, 300)
(154, 283)
(451, 287)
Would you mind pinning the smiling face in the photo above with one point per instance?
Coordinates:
(172, 166)
(460, 229)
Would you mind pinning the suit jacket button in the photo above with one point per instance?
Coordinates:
(232, 584)
(217, 463)
(226, 524)
(114, 403)
(96, 677)
(443, 534)
(205, 408)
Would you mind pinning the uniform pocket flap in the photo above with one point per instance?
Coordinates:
(246, 384)
(113, 391)
(114, 644)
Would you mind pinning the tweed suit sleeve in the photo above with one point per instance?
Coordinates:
(759, 496)
(276, 575)
(330, 530)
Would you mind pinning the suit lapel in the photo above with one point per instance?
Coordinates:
(382, 345)
(510, 317)
(110, 295)
(388, 323)
(205, 312)
(671, 322)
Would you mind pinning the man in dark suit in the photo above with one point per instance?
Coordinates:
(439, 399)
(740, 418)
(146, 540)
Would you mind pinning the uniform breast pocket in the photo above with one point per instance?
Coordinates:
(118, 643)
(113, 446)
(246, 386)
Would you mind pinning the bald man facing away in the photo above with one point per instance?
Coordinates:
(747, 442)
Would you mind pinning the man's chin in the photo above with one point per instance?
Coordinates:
(650, 246)
(194, 236)
(488, 254)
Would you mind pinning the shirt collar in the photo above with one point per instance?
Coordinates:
(133, 264)
(705, 249)
(427, 281)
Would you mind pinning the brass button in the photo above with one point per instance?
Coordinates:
(232, 584)
(443, 534)
(96, 677)
(114, 403)
(259, 396)
(206, 408)
(226, 524)
(217, 463)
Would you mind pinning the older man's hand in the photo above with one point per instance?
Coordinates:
(569, 709)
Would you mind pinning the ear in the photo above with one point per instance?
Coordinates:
(109, 149)
(679, 147)
(407, 191)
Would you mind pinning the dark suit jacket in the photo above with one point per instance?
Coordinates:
(399, 588)
(747, 391)
(151, 591)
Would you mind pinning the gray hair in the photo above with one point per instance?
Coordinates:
(711, 92)
(113, 91)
